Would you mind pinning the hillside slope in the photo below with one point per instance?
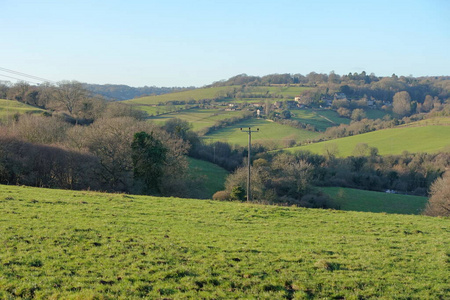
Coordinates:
(86, 245)
(10, 107)
(429, 139)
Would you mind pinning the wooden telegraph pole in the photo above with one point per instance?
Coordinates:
(249, 131)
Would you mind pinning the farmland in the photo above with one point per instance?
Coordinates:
(10, 107)
(430, 139)
(271, 134)
(199, 118)
(211, 176)
(196, 94)
(369, 201)
(86, 245)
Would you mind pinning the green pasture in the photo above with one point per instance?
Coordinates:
(199, 118)
(431, 121)
(215, 92)
(210, 178)
(86, 245)
(271, 134)
(8, 108)
(429, 139)
(375, 113)
(156, 110)
(283, 90)
(321, 119)
(370, 201)
(196, 94)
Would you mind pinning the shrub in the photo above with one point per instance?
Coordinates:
(221, 196)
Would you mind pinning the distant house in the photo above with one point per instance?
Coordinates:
(297, 98)
(340, 96)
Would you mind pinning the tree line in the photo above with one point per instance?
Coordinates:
(354, 85)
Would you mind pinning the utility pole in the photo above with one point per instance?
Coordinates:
(249, 131)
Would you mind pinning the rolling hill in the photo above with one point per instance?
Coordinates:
(433, 138)
(8, 108)
(271, 134)
(369, 201)
(86, 245)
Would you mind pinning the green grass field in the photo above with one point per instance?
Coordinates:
(321, 119)
(86, 245)
(214, 92)
(10, 107)
(429, 139)
(369, 201)
(199, 118)
(271, 134)
(196, 94)
(212, 176)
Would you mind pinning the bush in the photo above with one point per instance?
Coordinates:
(439, 202)
(221, 196)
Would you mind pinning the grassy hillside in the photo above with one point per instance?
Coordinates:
(391, 141)
(321, 119)
(215, 92)
(368, 201)
(211, 176)
(199, 118)
(271, 134)
(197, 94)
(10, 107)
(86, 245)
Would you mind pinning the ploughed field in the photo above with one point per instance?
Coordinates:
(86, 245)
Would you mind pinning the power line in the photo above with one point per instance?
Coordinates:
(18, 79)
(25, 75)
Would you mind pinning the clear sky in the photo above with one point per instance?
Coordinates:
(197, 42)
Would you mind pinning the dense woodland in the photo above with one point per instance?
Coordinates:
(84, 142)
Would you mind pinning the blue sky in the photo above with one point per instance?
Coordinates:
(185, 43)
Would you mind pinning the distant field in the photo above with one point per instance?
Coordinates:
(214, 92)
(321, 119)
(10, 107)
(84, 245)
(431, 121)
(212, 176)
(197, 94)
(156, 110)
(369, 201)
(271, 134)
(286, 91)
(199, 118)
(376, 114)
(391, 141)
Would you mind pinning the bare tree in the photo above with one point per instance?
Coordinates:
(70, 94)
(439, 202)
(402, 103)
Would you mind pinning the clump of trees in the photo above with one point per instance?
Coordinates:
(281, 179)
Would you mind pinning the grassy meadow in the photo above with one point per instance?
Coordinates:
(271, 134)
(196, 94)
(215, 92)
(199, 118)
(86, 245)
(8, 108)
(370, 201)
(431, 139)
(211, 176)
(321, 119)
